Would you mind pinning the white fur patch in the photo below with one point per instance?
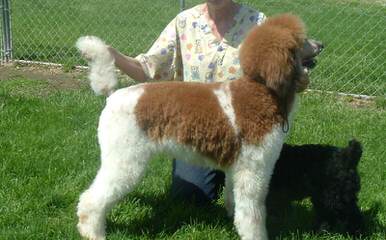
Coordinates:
(251, 175)
(103, 79)
(224, 97)
(118, 121)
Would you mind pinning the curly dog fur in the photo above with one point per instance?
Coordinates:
(328, 175)
(238, 127)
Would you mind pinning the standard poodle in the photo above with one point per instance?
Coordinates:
(329, 175)
(238, 127)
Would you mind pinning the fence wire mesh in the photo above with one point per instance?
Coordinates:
(353, 31)
(1, 34)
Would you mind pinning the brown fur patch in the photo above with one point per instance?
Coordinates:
(190, 114)
(256, 109)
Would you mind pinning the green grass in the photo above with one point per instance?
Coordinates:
(352, 30)
(49, 155)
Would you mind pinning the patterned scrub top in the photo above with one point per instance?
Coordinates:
(187, 50)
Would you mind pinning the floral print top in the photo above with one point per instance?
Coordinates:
(187, 50)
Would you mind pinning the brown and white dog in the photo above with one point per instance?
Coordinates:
(238, 126)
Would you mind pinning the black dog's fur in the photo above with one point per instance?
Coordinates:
(328, 175)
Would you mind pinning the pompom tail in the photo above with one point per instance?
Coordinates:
(103, 79)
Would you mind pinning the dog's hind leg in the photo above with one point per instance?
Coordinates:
(109, 186)
(124, 156)
(117, 176)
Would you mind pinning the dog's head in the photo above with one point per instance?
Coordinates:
(338, 202)
(271, 54)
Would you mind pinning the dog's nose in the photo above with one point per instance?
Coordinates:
(311, 49)
(319, 46)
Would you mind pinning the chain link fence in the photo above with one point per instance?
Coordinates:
(354, 32)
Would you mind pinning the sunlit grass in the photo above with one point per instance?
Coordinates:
(49, 155)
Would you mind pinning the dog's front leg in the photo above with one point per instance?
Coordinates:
(251, 174)
(250, 213)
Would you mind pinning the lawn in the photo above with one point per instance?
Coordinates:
(352, 30)
(49, 155)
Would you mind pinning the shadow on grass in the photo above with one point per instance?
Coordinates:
(372, 223)
(169, 215)
(285, 219)
(283, 222)
(294, 220)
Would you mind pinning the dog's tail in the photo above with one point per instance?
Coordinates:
(103, 79)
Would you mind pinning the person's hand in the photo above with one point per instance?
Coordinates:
(112, 50)
(310, 50)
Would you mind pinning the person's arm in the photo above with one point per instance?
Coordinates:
(128, 65)
(159, 63)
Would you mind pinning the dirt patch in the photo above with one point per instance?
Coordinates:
(352, 100)
(372, 2)
(56, 77)
(49, 79)
(380, 2)
(359, 102)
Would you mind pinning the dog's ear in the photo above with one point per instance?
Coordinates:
(353, 153)
(268, 53)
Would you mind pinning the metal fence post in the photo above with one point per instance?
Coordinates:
(7, 33)
(182, 5)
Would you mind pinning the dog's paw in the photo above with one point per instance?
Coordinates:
(91, 47)
(87, 232)
(90, 223)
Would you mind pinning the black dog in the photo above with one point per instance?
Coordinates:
(329, 176)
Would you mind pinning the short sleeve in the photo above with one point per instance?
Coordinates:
(162, 61)
(260, 18)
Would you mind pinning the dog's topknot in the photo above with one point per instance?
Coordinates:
(265, 54)
(291, 22)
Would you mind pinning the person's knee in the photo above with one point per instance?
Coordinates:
(195, 184)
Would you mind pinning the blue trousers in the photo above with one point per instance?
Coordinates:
(196, 184)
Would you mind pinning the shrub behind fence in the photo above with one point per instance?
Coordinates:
(353, 31)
